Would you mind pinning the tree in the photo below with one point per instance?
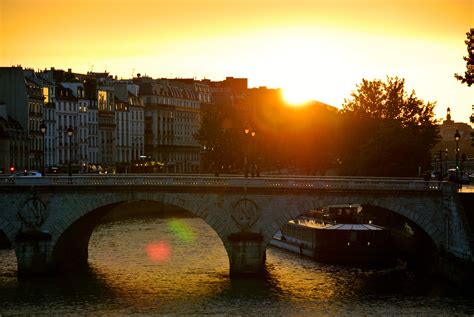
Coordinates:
(385, 130)
(220, 140)
(468, 77)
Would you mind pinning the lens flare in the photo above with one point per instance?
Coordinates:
(158, 251)
(182, 230)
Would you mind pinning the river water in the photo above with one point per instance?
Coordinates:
(178, 266)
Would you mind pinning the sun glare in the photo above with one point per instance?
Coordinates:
(296, 96)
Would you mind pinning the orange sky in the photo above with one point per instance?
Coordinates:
(323, 46)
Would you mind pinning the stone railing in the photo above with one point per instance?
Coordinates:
(281, 182)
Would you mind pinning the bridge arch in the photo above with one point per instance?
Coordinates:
(71, 233)
(8, 230)
(423, 211)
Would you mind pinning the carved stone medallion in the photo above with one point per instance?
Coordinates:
(32, 215)
(245, 213)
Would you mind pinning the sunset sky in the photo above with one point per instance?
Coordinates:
(314, 48)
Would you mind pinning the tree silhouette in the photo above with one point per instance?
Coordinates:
(468, 77)
(386, 131)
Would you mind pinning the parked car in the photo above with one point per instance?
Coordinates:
(27, 174)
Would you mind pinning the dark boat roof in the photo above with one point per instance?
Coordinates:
(350, 226)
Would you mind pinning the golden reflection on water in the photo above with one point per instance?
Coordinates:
(293, 279)
(155, 259)
(194, 280)
(152, 260)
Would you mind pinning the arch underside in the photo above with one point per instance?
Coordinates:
(423, 213)
(5, 242)
(7, 232)
(74, 238)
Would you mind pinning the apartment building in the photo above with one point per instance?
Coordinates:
(172, 117)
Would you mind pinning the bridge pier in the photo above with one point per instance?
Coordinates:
(33, 252)
(246, 253)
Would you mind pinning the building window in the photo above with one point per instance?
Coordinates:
(46, 94)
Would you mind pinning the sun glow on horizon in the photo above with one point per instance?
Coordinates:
(313, 50)
(296, 96)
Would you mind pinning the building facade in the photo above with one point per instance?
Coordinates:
(22, 96)
(113, 122)
(49, 119)
(172, 118)
(106, 120)
(448, 151)
(13, 143)
(67, 115)
(35, 103)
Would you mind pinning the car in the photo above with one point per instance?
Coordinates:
(27, 174)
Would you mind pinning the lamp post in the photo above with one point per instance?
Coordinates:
(43, 129)
(70, 133)
(440, 176)
(254, 155)
(457, 137)
(204, 158)
(446, 160)
(214, 160)
(246, 170)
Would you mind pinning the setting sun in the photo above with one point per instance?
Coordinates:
(314, 41)
(297, 95)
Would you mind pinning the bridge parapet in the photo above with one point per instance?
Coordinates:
(331, 183)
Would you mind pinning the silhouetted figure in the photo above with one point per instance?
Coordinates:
(439, 176)
(427, 176)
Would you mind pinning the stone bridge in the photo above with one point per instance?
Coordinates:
(49, 220)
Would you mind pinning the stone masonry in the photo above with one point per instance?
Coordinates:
(49, 225)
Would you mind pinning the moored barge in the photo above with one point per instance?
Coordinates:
(320, 236)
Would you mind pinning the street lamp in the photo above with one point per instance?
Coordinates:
(254, 155)
(446, 160)
(440, 176)
(43, 129)
(457, 137)
(70, 133)
(246, 170)
(214, 160)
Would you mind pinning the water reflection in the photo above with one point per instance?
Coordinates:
(124, 279)
(161, 265)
